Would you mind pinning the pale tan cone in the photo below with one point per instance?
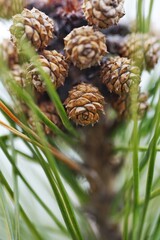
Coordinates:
(119, 74)
(85, 47)
(17, 77)
(9, 52)
(144, 49)
(54, 64)
(103, 13)
(84, 104)
(33, 25)
(123, 105)
(18, 74)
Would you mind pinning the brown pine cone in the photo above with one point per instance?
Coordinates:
(9, 8)
(18, 74)
(143, 105)
(119, 74)
(54, 64)
(144, 49)
(85, 47)
(123, 105)
(103, 13)
(9, 52)
(15, 78)
(33, 25)
(84, 104)
(48, 108)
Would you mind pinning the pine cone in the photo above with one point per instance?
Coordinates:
(123, 105)
(16, 77)
(119, 74)
(85, 46)
(9, 52)
(103, 13)
(48, 108)
(33, 25)
(142, 48)
(9, 8)
(18, 73)
(84, 104)
(54, 64)
(143, 105)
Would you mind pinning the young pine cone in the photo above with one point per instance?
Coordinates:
(9, 52)
(119, 74)
(9, 8)
(33, 25)
(48, 108)
(85, 47)
(142, 48)
(84, 104)
(123, 105)
(54, 64)
(103, 13)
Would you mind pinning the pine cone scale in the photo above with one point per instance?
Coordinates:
(91, 107)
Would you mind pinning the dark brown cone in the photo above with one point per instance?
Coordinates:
(33, 25)
(119, 74)
(54, 64)
(84, 104)
(144, 49)
(85, 47)
(48, 108)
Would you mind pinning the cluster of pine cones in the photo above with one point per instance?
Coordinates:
(71, 43)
